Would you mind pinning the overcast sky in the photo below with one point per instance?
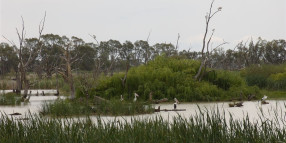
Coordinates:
(133, 19)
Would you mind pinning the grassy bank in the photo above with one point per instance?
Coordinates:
(274, 94)
(80, 107)
(203, 127)
(10, 99)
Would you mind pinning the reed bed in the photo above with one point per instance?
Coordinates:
(10, 99)
(210, 126)
(78, 107)
(65, 108)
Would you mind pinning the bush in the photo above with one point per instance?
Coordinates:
(266, 76)
(170, 78)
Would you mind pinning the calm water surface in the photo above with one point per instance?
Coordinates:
(253, 109)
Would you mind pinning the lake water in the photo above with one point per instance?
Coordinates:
(253, 109)
(33, 92)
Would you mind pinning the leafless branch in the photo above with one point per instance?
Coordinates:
(11, 42)
(94, 37)
(32, 54)
(149, 35)
(177, 41)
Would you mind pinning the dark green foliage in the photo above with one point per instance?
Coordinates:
(10, 99)
(266, 76)
(162, 77)
(169, 78)
(205, 127)
(8, 58)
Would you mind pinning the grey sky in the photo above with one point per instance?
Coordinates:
(133, 19)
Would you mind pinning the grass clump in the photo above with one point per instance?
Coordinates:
(116, 107)
(65, 108)
(10, 99)
(209, 126)
(78, 107)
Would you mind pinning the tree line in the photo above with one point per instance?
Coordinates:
(112, 56)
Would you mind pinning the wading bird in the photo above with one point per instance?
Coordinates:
(157, 110)
(121, 98)
(135, 97)
(28, 98)
(263, 100)
(176, 100)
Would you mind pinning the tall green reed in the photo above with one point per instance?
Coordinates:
(205, 126)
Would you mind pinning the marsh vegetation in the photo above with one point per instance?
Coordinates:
(110, 79)
(205, 126)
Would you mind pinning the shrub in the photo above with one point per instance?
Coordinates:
(170, 78)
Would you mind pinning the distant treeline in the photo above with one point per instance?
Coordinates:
(112, 56)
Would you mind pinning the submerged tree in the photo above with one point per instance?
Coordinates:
(65, 70)
(26, 52)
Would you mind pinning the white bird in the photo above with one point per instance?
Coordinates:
(176, 100)
(264, 98)
(28, 98)
(121, 98)
(135, 97)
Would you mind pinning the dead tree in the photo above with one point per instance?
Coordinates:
(123, 80)
(208, 53)
(21, 77)
(177, 41)
(204, 58)
(65, 70)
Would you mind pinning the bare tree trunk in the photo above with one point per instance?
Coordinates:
(123, 80)
(208, 17)
(23, 65)
(69, 73)
(66, 71)
(18, 83)
(177, 41)
(72, 88)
